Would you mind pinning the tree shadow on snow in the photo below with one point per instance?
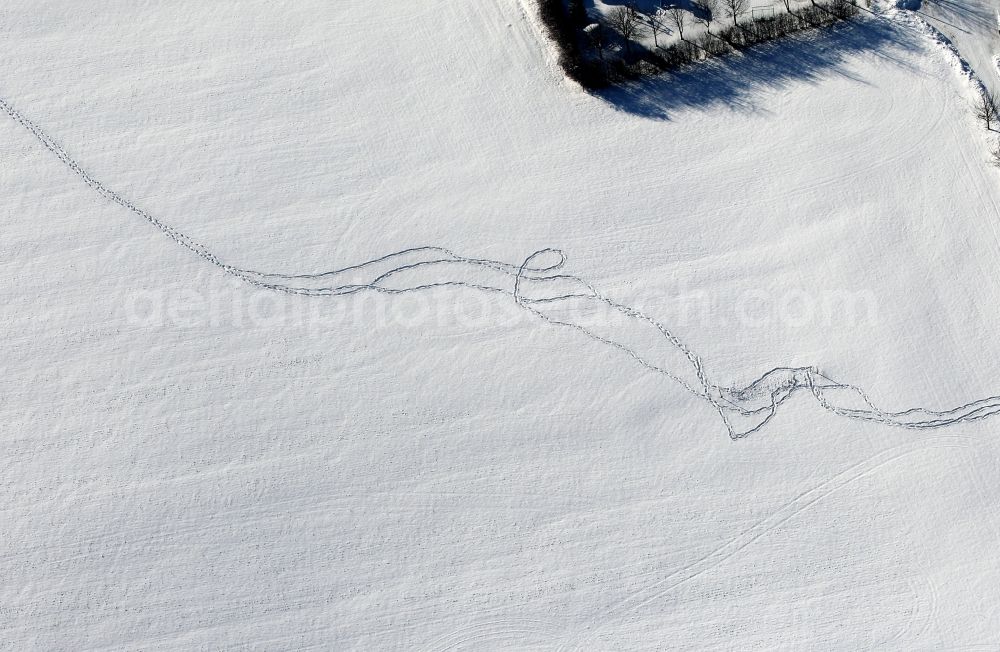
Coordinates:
(734, 80)
(648, 7)
(958, 14)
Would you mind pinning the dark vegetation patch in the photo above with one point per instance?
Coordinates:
(598, 51)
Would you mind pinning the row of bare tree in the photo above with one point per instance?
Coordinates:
(632, 25)
(577, 38)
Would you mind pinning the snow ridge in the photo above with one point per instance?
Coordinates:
(902, 16)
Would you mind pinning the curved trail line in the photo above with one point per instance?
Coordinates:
(538, 285)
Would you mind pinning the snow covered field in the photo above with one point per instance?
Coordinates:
(194, 463)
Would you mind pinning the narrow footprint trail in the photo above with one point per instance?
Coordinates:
(538, 285)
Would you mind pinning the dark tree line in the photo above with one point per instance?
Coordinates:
(564, 22)
(732, 33)
(584, 46)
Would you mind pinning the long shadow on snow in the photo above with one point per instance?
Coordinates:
(957, 13)
(734, 80)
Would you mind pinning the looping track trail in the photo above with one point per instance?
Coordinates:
(743, 410)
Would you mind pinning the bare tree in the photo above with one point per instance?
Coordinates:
(788, 5)
(705, 7)
(996, 154)
(842, 9)
(625, 20)
(986, 108)
(705, 14)
(735, 9)
(656, 24)
(679, 18)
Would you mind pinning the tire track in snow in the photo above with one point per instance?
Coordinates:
(743, 410)
(800, 503)
(509, 631)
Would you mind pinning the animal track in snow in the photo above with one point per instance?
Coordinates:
(538, 284)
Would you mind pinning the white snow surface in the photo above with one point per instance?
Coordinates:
(194, 463)
(973, 26)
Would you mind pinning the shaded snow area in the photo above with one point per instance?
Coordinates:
(217, 435)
